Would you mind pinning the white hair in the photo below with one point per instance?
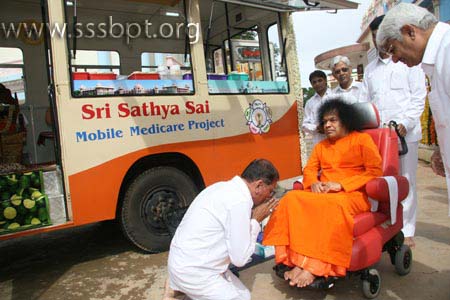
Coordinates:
(338, 59)
(400, 15)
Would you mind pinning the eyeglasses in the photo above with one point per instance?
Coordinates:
(342, 70)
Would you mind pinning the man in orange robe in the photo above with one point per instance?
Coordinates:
(313, 229)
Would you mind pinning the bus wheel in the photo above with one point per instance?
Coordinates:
(150, 198)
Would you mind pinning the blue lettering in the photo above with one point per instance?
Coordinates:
(81, 136)
(156, 129)
(134, 130)
(206, 125)
(99, 135)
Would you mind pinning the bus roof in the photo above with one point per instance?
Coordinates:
(297, 5)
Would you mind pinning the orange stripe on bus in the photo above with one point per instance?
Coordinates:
(94, 192)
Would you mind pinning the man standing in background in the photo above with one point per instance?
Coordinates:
(411, 34)
(399, 94)
(318, 81)
(348, 88)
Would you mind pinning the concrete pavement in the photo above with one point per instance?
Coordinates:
(95, 262)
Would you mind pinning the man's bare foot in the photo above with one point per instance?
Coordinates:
(293, 275)
(305, 278)
(409, 241)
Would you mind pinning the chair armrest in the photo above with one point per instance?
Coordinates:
(378, 190)
(298, 185)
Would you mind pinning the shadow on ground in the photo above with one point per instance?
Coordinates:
(434, 232)
(33, 264)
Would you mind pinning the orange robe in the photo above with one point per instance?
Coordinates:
(313, 230)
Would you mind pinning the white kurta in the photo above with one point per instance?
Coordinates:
(350, 95)
(310, 118)
(399, 94)
(436, 64)
(217, 230)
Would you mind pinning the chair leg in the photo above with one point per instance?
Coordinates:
(393, 245)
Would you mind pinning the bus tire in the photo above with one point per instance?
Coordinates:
(148, 200)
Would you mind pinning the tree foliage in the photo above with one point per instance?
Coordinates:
(307, 94)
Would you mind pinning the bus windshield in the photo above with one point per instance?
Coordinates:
(107, 65)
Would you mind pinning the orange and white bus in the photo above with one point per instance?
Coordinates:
(127, 109)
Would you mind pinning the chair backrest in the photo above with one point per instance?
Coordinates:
(385, 138)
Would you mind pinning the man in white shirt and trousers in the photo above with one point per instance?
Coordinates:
(412, 35)
(318, 80)
(221, 227)
(348, 89)
(399, 94)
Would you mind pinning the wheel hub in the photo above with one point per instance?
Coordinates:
(157, 205)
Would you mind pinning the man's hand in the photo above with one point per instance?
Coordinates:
(436, 163)
(326, 187)
(263, 210)
(333, 187)
(402, 130)
(318, 187)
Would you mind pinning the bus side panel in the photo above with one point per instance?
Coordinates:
(94, 192)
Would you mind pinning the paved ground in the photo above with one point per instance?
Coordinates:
(96, 262)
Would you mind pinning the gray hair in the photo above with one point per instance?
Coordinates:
(400, 15)
(338, 59)
(261, 169)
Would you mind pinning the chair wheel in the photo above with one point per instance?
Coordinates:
(371, 284)
(403, 260)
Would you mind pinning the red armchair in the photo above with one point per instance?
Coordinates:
(375, 231)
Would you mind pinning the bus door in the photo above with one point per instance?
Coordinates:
(30, 166)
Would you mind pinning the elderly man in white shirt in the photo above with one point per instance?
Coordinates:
(348, 88)
(318, 80)
(221, 227)
(399, 94)
(413, 35)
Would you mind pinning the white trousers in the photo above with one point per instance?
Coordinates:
(224, 286)
(408, 168)
(444, 145)
(447, 178)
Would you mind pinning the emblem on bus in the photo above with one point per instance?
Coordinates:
(259, 117)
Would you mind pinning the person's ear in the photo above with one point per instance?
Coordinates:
(332, 72)
(258, 185)
(254, 187)
(409, 31)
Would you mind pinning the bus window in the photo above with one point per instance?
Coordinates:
(96, 61)
(277, 62)
(219, 67)
(150, 39)
(245, 60)
(11, 72)
(242, 50)
(167, 65)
